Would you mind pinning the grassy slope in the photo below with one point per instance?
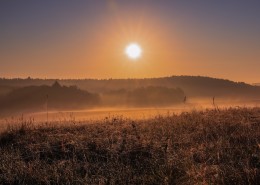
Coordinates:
(210, 147)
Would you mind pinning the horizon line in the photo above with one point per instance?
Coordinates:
(130, 78)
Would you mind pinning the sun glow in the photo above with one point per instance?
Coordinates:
(133, 51)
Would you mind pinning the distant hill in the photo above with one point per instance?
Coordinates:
(57, 97)
(256, 84)
(36, 97)
(5, 90)
(193, 86)
(144, 97)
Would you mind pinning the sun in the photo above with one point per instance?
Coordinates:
(133, 51)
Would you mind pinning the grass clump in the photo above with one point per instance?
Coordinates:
(199, 147)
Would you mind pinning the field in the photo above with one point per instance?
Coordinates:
(211, 146)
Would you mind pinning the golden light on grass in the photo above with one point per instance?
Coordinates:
(133, 51)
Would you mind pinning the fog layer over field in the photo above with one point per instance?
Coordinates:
(48, 100)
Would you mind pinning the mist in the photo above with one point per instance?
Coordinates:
(134, 98)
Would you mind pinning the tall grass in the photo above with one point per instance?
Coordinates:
(198, 147)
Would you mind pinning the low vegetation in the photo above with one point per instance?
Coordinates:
(144, 97)
(60, 98)
(199, 147)
(36, 97)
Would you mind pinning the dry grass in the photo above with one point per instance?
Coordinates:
(200, 147)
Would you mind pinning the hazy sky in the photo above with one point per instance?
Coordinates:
(87, 38)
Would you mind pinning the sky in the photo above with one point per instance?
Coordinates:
(87, 38)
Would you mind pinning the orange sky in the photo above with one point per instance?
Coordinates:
(172, 45)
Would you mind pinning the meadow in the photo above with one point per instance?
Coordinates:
(210, 146)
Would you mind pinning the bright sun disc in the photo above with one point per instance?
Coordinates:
(133, 51)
